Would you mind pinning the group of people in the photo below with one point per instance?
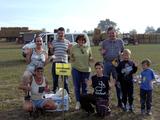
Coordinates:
(116, 64)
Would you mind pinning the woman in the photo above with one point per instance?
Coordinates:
(36, 87)
(81, 56)
(34, 57)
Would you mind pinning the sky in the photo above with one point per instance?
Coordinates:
(80, 15)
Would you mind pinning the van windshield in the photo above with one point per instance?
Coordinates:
(69, 37)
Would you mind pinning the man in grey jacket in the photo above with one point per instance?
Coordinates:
(111, 50)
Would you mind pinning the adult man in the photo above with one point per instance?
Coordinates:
(111, 49)
(59, 48)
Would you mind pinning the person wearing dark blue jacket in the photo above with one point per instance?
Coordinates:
(126, 69)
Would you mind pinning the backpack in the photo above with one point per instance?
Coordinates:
(102, 107)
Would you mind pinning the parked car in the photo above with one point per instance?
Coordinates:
(49, 37)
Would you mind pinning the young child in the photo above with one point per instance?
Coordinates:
(146, 87)
(126, 69)
(100, 96)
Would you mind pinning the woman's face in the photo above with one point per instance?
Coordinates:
(39, 41)
(81, 41)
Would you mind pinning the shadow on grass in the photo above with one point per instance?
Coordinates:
(11, 63)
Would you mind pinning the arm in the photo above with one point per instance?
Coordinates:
(28, 55)
(90, 56)
(25, 85)
(47, 89)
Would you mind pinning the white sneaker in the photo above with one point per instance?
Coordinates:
(78, 105)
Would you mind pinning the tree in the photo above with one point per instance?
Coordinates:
(43, 30)
(105, 24)
(150, 29)
(133, 31)
(158, 30)
(68, 30)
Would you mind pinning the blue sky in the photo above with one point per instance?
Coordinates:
(79, 15)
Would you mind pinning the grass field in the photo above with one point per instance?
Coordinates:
(12, 66)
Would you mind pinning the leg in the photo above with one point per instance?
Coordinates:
(142, 99)
(84, 78)
(49, 105)
(119, 94)
(76, 82)
(66, 84)
(149, 101)
(28, 106)
(107, 68)
(130, 96)
(124, 94)
(55, 78)
(87, 101)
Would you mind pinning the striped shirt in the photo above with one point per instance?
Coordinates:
(60, 49)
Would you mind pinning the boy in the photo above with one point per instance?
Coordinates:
(146, 87)
(126, 69)
(100, 96)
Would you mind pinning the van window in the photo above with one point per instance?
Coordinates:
(69, 37)
(50, 38)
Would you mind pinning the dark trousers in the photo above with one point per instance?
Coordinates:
(146, 99)
(88, 102)
(80, 82)
(127, 92)
(55, 79)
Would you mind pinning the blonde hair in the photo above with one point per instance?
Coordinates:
(128, 51)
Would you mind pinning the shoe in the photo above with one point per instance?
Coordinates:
(124, 108)
(78, 105)
(131, 108)
(149, 112)
(142, 112)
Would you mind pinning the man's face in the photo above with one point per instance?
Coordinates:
(61, 34)
(111, 34)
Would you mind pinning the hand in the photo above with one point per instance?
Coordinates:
(69, 46)
(89, 82)
(103, 51)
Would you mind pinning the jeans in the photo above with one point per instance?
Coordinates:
(79, 81)
(109, 70)
(55, 79)
(146, 99)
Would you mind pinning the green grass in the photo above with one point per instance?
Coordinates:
(12, 66)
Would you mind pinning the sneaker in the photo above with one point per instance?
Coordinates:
(142, 111)
(131, 108)
(149, 113)
(124, 108)
(78, 105)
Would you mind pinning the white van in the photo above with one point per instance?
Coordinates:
(48, 37)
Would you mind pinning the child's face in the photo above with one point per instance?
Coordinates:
(39, 72)
(99, 69)
(125, 56)
(144, 66)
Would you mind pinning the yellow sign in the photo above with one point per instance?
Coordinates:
(63, 69)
